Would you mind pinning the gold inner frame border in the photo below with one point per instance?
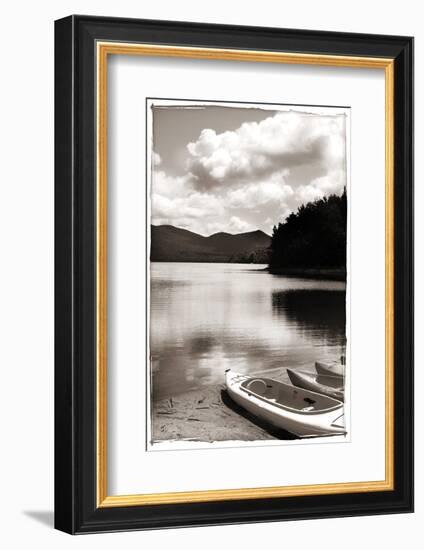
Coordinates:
(103, 50)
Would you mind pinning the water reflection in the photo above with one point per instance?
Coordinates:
(209, 317)
(319, 314)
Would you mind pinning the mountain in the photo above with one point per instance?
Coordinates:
(172, 244)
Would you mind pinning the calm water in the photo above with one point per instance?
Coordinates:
(206, 318)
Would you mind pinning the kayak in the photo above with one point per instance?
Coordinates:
(321, 383)
(331, 370)
(299, 411)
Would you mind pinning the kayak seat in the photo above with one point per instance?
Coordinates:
(257, 386)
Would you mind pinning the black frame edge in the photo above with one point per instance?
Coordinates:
(64, 448)
(404, 270)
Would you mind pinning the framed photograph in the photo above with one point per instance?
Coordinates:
(234, 274)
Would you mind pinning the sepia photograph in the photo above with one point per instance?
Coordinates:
(247, 280)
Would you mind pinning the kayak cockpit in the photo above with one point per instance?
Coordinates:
(288, 397)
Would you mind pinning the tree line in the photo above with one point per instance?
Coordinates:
(312, 237)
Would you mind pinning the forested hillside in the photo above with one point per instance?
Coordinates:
(314, 237)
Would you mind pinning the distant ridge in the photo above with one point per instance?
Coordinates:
(173, 244)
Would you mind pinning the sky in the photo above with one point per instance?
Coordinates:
(235, 169)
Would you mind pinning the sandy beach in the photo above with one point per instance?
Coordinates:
(209, 414)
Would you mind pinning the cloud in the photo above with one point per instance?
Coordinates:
(254, 195)
(174, 203)
(157, 161)
(252, 177)
(239, 226)
(258, 149)
(171, 186)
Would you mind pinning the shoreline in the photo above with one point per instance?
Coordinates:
(334, 274)
(208, 415)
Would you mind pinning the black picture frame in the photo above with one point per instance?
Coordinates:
(76, 509)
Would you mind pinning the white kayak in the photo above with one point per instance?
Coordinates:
(331, 370)
(296, 410)
(321, 383)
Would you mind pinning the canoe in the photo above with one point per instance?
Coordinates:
(320, 383)
(331, 370)
(301, 412)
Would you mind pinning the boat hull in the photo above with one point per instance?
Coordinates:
(329, 370)
(300, 424)
(312, 382)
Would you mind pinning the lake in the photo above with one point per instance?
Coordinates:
(205, 318)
